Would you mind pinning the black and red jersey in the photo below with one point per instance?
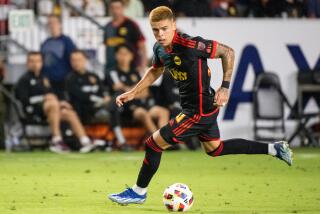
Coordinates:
(128, 32)
(187, 64)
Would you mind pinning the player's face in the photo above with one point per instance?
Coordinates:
(78, 62)
(124, 56)
(116, 9)
(164, 31)
(54, 26)
(34, 63)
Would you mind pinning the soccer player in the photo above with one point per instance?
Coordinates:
(185, 58)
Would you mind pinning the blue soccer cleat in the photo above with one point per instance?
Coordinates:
(283, 152)
(128, 196)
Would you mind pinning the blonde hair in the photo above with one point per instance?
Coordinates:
(161, 13)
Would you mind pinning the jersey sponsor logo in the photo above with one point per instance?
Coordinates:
(178, 75)
(177, 60)
(123, 31)
(180, 117)
(115, 41)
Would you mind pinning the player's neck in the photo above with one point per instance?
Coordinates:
(118, 20)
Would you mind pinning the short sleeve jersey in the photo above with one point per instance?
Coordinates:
(187, 64)
(127, 32)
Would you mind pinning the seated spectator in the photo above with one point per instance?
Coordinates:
(56, 51)
(267, 8)
(313, 8)
(93, 8)
(34, 91)
(223, 8)
(151, 4)
(119, 30)
(88, 97)
(194, 8)
(122, 78)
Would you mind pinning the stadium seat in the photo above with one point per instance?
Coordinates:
(268, 108)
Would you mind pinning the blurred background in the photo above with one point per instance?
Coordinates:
(92, 50)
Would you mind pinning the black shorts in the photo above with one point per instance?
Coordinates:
(184, 126)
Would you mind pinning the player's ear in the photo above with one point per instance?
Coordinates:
(174, 25)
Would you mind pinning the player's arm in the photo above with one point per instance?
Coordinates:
(227, 58)
(149, 77)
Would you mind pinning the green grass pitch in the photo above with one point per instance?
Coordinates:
(42, 182)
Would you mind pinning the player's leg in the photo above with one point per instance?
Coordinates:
(159, 141)
(279, 149)
(69, 115)
(115, 116)
(51, 109)
(210, 138)
(212, 144)
(154, 146)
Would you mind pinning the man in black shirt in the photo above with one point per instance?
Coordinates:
(185, 58)
(120, 30)
(34, 91)
(88, 95)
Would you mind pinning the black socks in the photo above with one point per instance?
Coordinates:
(239, 146)
(150, 164)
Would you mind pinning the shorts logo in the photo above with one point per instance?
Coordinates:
(180, 117)
(201, 46)
(177, 60)
(178, 75)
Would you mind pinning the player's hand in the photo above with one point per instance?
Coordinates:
(125, 97)
(222, 97)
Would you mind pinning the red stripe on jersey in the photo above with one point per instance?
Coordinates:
(181, 125)
(184, 128)
(184, 44)
(190, 42)
(214, 49)
(185, 39)
(200, 91)
(188, 126)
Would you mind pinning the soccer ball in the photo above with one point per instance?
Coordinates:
(178, 197)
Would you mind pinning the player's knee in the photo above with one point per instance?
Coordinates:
(140, 113)
(213, 149)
